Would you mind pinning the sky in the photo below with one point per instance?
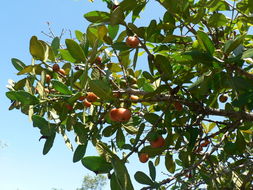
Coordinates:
(22, 165)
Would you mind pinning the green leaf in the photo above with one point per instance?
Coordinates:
(23, 97)
(67, 56)
(231, 45)
(55, 45)
(164, 67)
(120, 46)
(96, 164)
(117, 16)
(19, 65)
(169, 163)
(205, 42)
(75, 50)
(97, 16)
(37, 49)
(79, 152)
(60, 87)
(113, 30)
(208, 127)
(120, 138)
(121, 174)
(247, 54)
(217, 20)
(114, 185)
(128, 5)
(151, 118)
(240, 143)
(152, 170)
(43, 125)
(101, 89)
(152, 152)
(26, 69)
(48, 144)
(114, 67)
(142, 178)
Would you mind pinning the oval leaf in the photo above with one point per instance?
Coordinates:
(142, 178)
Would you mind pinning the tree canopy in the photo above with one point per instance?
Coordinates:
(188, 107)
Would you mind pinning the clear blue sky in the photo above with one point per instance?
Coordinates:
(22, 165)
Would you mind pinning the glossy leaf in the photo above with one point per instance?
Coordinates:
(169, 163)
(79, 152)
(142, 178)
(97, 16)
(152, 170)
(23, 97)
(75, 50)
(48, 144)
(205, 42)
(19, 65)
(96, 164)
(61, 87)
(101, 89)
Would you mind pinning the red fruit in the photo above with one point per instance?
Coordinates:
(69, 107)
(91, 97)
(178, 106)
(86, 103)
(132, 41)
(81, 98)
(143, 157)
(62, 71)
(48, 78)
(56, 67)
(98, 60)
(159, 142)
(120, 114)
(223, 98)
(204, 144)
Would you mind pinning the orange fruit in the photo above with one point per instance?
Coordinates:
(159, 142)
(143, 157)
(120, 114)
(48, 78)
(81, 98)
(86, 103)
(91, 97)
(133, 97)
(132, 41)
(62, 71)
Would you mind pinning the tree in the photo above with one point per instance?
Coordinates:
(93, 183)
(199, 64)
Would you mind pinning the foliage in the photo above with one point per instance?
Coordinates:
(93, 183)
(196, 52)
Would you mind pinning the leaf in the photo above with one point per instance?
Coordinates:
(114, 185)
(152, 152)
(19, 65)
(55, 45)
(113, 30)
(26, 69)
(151, 118)
(66, 55)
(169, 163)
(163, 66)
(101, 89)
(23, 97)
(43, 125)
(142, 178)
(208, 127)
(120, 138)
(120, 46)
(75, 50)
(128, 5)
(114, 67)
(37, 49)
(60, 87)
(240, 143)
(97, 16)
(79, 152)
(217, 20)
(152, 170)
(117, 16)
(247, 54)
(48, 144)
(121, 174)
(96, 164)
(205, 42)
(231, 45)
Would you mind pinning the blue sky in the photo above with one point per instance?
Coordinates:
(22, 165)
